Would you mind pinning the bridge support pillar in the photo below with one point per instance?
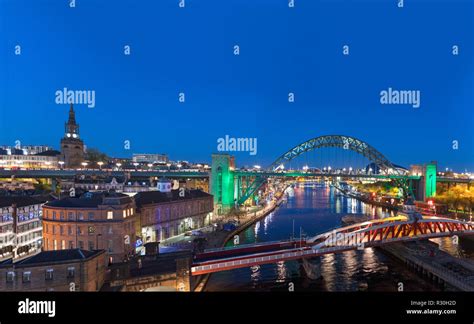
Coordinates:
(427, 184)
(183, 274)
(222, 182)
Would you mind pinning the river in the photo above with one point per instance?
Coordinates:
(315, 209)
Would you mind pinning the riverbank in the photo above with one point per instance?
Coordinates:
(249, 219)
(368, 201)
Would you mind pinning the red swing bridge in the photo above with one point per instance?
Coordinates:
(353, 237)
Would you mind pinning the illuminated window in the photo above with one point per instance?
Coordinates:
(124, 213)
(27, 276)
(49, 274)
(71, 272)
(10, 276)
(110, 215)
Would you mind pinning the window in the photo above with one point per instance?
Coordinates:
(70, 216)
(55, 245)
(63, 245)
(110, 245)
(81, 245)
(49, 275)
(61, 230)
(90, 216)
(131, 211)
(71, 271)
(91, 245)
(124, 213)
(91, 230)
(110, 214)
(61, 215)
(54, 215)
(10, 276)
(71, 245)
(69, 230)
(27, 276)
(80, 216)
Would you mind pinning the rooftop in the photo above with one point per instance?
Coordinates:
(55, 256)
(20, 201)
(156, 197)
(91, 200)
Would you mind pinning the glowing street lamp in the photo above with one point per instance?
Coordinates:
(61, 164)
(118, 165)
(135, 164)
(100, 163)
(305, 168)
(257, 167)
(168, 165)
(84, 164)
(149, 165)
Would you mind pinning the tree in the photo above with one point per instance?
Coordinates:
(94, 155)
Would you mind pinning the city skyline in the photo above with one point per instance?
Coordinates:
(245, 95)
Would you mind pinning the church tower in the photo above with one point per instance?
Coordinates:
(72, 147)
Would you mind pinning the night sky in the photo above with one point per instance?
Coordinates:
(282, 50)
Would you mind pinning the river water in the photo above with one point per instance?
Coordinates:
(315, 209)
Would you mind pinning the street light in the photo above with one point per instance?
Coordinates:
(100, 163)
(118, 165)
(61, 164)
(135, 164)
(84, 164)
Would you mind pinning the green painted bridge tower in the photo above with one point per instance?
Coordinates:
(430, 180)
(426, 187)
(222, 182)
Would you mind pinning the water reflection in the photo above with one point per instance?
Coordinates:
(315, 210)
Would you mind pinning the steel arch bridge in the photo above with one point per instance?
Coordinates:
(340, 141)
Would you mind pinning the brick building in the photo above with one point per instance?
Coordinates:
(99, 220)
(64, 270)
(166, 213)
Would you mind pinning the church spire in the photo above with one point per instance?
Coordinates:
(71, 128)
(72, 116)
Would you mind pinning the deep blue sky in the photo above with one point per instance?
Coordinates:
(282, 50)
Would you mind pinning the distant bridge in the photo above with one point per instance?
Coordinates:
(65, 174)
